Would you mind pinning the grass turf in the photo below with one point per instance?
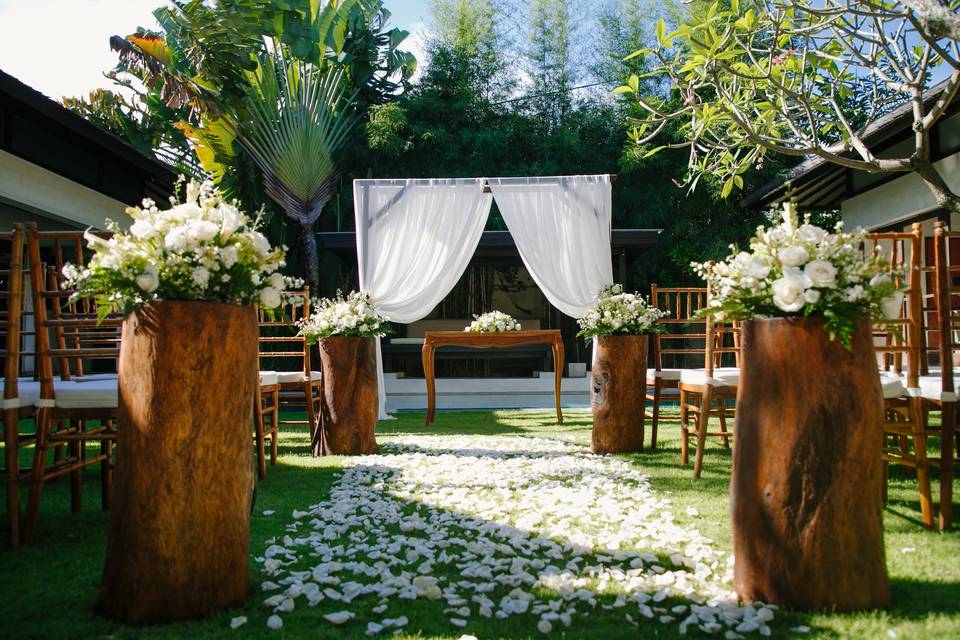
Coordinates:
(48, 587)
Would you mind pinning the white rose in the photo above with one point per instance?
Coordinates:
(148, 281)
(793, 256)
(811, 296)
(232, 219)
(142, 229)
(821, 273)
(203, 230)
(276, 281)
(811, 233)
(177, 240)
(757, 267)
(788, 293)
(270, 297)
(185, 211)
(260, 243)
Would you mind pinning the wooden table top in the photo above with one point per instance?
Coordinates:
(491, 338)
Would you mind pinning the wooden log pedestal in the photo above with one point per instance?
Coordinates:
(806, 489)
(618, 391)
(349, 406)
(178, 537)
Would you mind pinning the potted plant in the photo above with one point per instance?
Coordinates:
(186, 279)
(345, 327)
(806, 488)
(620, 324)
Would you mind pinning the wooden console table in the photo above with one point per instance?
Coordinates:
(490, 340)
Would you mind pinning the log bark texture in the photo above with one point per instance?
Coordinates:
(349, 405)
(806, 489)
(178, 538)
(618, 389)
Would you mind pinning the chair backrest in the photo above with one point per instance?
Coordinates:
(279, 345)
(947, 302)
(897, 337)
(11, 308)
(69, 334)
(684, 344)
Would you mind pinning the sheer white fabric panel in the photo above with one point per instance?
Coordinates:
(415, 238)
(562, 229)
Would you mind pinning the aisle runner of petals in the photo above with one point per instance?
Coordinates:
(499, 527)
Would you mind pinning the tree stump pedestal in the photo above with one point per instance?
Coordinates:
(618, 391)
(807, 476)
(178, 537)
(350, 402)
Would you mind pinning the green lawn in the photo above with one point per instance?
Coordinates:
(48, 587)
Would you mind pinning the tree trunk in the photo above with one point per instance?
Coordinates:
(618, 389)
(311, 256)
(177, 543)
(350, 402)
(942, 193)
(807, 476)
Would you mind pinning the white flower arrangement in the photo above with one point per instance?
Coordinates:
(492, 322)
(200, 249)
(801, 270)
(351, 315)
(616, 313)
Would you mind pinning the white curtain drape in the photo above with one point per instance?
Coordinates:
(561, 226)
(414, 241)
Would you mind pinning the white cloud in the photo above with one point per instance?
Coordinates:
(61, 47)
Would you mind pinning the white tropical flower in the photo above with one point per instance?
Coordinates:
(821, 273)
(793, 256)
(260, 243)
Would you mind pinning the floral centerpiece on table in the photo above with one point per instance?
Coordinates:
(616, 313)
(204, 248)
(802, 270)
(492, 322)
(353, 315)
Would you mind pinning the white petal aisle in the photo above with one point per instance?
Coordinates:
(500, 527)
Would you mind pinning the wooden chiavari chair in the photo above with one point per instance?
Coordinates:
(300, 385)
(267, 410)
(898, 339)
(676, 347)
(69, 340)
(19, 394)
(938, 387)
(710, 390)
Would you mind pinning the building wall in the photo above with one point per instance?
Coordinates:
(51, 200)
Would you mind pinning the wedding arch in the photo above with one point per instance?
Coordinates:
(415, 238)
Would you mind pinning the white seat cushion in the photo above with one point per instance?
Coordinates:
(28, 392)
(419, 341)
(88, 394)
(892, 387)
(268, 378)
(931, 388)
(295, 376)
(663, 374)
(722, 377)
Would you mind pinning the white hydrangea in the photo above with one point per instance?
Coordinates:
(353, 315)
(173, 254)
(492, 322)
(619, 313)
(803, 270)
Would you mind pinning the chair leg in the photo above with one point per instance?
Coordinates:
(684, 429)
(723, 424)
(923, 465)
(75, 450)
(258, 426)
(11, 433)
(311, 410)
(702, 423)
(655, 420)
(275, 428)
(36, 486)
(106, 473)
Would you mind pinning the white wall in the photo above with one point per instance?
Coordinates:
(28, 186)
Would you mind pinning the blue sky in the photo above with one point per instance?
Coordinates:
(69, 54)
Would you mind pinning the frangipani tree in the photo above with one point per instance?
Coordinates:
(801, 78)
